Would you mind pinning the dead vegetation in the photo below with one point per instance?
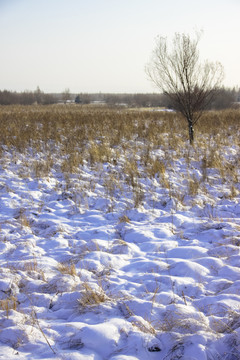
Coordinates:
(131, 152)
(133, 144)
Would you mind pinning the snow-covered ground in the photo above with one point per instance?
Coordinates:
(106, 266)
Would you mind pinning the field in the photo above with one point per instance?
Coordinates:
(119, 240)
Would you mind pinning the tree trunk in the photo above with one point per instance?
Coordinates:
(191, 131)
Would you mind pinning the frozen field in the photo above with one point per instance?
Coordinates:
(133, 253)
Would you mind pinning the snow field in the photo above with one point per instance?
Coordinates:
(121, 259)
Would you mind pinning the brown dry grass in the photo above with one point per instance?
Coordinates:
(64, 138)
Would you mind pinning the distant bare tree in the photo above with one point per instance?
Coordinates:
(38, 94)
(189, 84)
(66, 95)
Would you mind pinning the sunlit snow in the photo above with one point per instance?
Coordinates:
(100, 277)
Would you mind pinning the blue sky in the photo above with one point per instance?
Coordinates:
(104, 45)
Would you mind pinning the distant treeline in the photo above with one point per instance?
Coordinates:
(26, 97)
(225, 98)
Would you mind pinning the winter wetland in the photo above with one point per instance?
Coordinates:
(119, 240)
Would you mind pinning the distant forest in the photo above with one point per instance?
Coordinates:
(225, 98)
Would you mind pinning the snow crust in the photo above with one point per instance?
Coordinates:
(86, 274)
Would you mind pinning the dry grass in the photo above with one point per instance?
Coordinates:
(65, 138)
(124, 219)
(8, 304)
(144, 326)
(66, 268)
(21, 216)
(193, 187)
(90, 298)
(134, 155)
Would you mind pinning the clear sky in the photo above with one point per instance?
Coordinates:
(104, 45)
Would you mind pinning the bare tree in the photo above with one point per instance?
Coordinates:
(66, 95)
(179, 73)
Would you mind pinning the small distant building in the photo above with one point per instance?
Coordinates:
(98, 102)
